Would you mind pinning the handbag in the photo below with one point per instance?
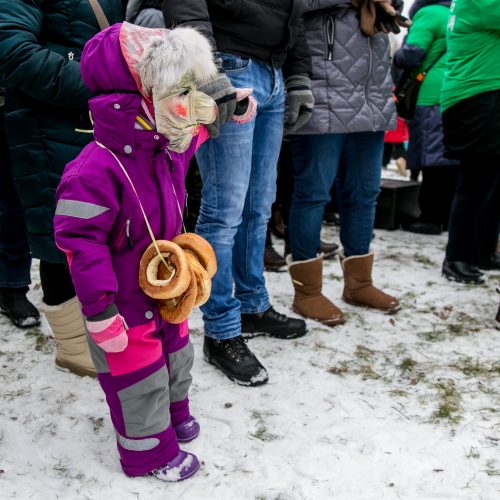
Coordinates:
(407, 89)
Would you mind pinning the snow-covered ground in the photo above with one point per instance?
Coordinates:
(383, 407)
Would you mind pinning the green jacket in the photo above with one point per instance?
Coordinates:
(473, 41)
(428, 32)
(40, 46)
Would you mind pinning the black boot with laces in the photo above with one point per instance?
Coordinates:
(236, 360)
(273, 323)
(15, 305)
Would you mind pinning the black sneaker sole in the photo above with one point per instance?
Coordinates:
(467, 281)
(289, 336)
(245, 383)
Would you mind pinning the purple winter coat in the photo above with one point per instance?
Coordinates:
(98, 222)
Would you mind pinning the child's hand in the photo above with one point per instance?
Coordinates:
(246, 106)
(109, 334)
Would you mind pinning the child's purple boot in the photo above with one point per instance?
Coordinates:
(188, 430)
(181, 467)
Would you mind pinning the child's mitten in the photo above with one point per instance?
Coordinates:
(109, 334)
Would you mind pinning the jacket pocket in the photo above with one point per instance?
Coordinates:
(124, 235)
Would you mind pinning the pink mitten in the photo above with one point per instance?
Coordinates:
(109, 334)
(243, 96)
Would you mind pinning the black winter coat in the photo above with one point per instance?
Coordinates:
(270, 31)
(46, 100)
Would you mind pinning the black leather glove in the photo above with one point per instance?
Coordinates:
(388, 18)
(221, 90)
(299, 102)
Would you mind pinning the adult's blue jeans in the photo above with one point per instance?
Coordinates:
(15, 257)
(353, 162)
(238, 169)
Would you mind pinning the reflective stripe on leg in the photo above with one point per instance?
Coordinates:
(180, 363)
(145, 405)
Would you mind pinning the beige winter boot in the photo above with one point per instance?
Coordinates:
(358, 287)
(307, 279)
(66, 322)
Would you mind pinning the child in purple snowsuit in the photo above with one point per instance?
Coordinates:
(144, 82)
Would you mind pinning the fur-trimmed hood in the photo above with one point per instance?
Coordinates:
(125, 57)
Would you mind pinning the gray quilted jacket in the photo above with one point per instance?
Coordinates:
(351, 78)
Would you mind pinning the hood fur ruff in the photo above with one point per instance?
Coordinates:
(160, 58)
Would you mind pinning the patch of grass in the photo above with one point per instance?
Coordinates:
(341, 369)
(368, 373)
(42, 342)
(97, 423)
(407, 365)
(492, 469)
(473, 453)
(476, 369)
(457, 329)
(423, 259)
(262, 433)
(364, 353)
(449, 406)
(399, 393)
(433, 335)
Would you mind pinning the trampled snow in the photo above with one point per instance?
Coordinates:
(383, 407)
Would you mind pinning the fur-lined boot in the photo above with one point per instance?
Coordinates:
(307, 279)
(66, 322)
(358, 287)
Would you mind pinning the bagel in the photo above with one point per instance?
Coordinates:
(159, 282)
(201, 247)
(203, 281)
(177, 309)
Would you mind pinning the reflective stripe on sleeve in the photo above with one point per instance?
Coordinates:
(79, 209)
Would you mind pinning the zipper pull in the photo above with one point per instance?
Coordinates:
(127, 232)
(330, 37)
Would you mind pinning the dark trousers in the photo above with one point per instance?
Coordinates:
(475, 212)
(57, 285)
(15, 257)
(436, 194)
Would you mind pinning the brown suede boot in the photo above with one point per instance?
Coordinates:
(358, 287)
(307, 279)
(66, 322)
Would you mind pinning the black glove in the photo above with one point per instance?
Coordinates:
(221, 90)
(388, 18)
(299, 102)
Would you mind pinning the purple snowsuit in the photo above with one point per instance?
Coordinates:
(100, 227)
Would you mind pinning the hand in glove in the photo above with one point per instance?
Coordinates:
(110, 334)
(388, 16)
(221, 90)
(299, 102)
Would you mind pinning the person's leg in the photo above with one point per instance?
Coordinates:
(249, 244)
(473, 203)
(63, 313)
(57, 285)
(179, 354)
(225, 165)
(137, 385)
(15, 257)
(358, 189)
(315, 159)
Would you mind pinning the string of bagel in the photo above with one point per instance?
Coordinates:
(177, 273)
